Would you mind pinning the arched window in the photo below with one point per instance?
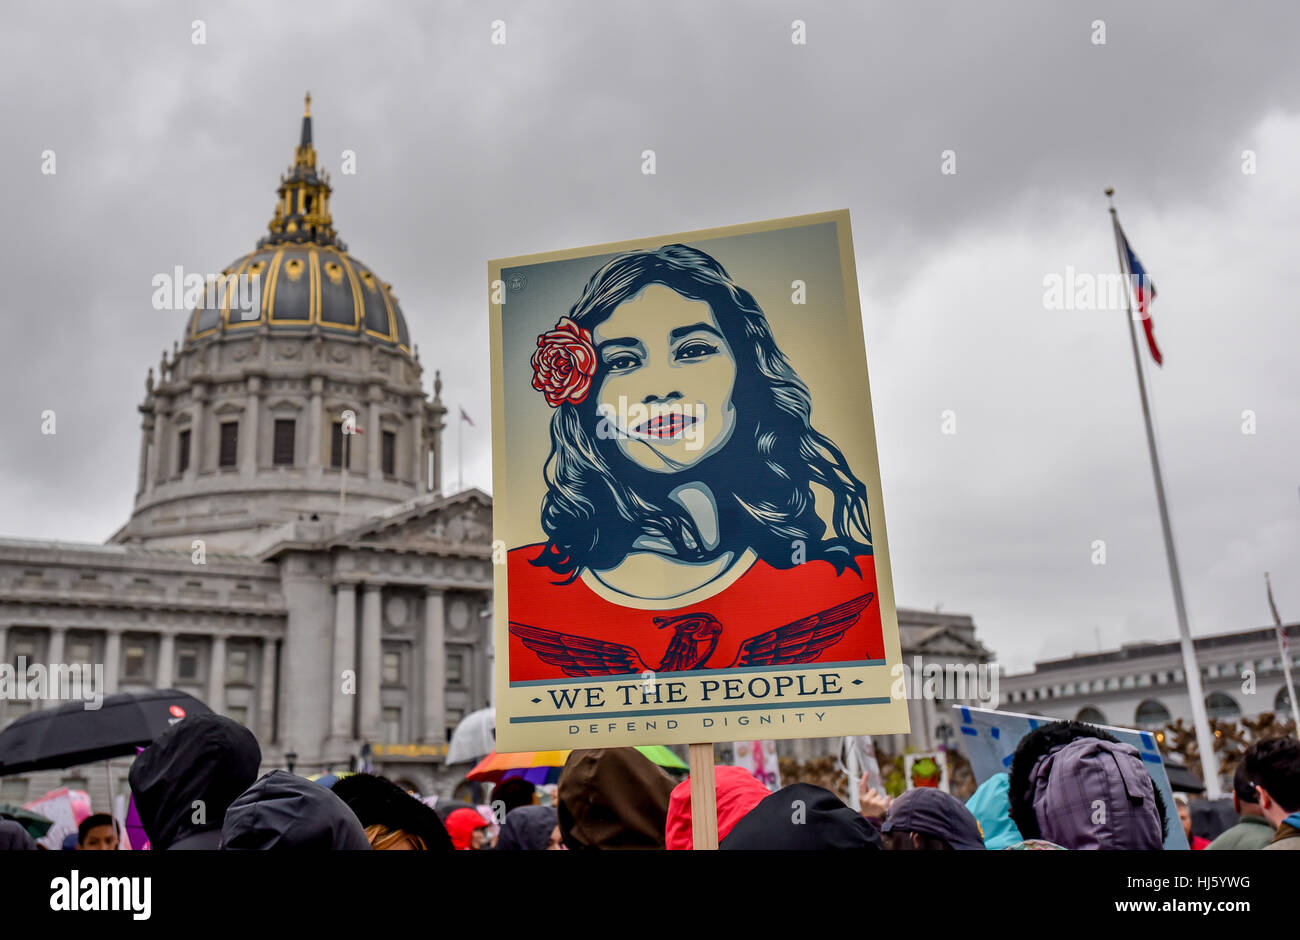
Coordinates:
(1282, 703)
(1222, 705)
(1151, 714)
(1092, 715)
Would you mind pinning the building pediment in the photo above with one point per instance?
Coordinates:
(459, 522)
(943, 641)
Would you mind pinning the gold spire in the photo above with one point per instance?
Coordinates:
(305, 155)
(302, 213)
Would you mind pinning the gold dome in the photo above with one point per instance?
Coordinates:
(300, 276)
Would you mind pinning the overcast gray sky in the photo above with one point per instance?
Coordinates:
(168, 153)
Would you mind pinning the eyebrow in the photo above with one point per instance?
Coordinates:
(694, 328)
(629, 341)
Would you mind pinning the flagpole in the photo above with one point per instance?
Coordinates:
(1282, 648)
(343, 472)
(1191, 670)
(460, 452)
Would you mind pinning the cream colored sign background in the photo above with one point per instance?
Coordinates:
(823, 340)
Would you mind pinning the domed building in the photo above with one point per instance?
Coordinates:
(248, 425)
(291, 559)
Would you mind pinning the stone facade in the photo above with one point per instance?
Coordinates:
(395, 602)
(264, 385)
(1142, 685)
(312, 583)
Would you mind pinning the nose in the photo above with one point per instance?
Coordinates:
(654, 399)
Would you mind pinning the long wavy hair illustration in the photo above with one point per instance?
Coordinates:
(598, 502)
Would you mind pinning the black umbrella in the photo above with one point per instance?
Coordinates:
(1183, 780)
(73, 734)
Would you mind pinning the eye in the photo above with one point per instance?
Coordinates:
(695, 349)
(622, 362)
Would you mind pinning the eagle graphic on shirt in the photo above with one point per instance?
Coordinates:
(695, 638)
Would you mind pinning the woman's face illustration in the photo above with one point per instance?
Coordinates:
(668, 380)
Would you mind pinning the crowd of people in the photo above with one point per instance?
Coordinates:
(1069, 786)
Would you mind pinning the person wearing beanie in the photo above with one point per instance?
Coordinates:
(927, 818)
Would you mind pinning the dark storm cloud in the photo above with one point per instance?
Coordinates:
(169, 153)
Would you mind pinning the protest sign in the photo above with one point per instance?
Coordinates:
(989, 739)
(759, 758)
(926, 769)
(858, 755)
(688, 523)
(65, 808)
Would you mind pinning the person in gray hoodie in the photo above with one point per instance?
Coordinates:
(186, 779)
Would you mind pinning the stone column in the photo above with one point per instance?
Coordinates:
(305, 656)
(155, 423)
(374, 434)
(315, 422)
(112, 659)
(435, 440)
(252, 414)
(345, 644)
(490, 647)
(371, 659)
(198, 430)
(3, 633)
(166, 659)
(217, 676)
(55, 652)
(142, 476)
(266, 693)
(920, 721)
(419, 462)
(435, 668)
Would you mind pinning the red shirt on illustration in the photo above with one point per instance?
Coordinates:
(832, 618)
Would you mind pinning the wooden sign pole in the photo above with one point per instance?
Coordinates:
(704, 798)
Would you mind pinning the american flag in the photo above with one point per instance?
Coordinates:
(1144, 289)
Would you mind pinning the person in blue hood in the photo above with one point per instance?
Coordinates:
(991, 806)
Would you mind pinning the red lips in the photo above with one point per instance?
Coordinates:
(669, 425)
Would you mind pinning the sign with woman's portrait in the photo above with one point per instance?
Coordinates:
(690, 544)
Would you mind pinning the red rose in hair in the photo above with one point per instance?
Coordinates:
(564, 363)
